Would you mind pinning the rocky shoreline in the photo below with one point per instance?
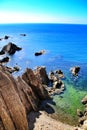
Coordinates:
(21, 96)
(18, 97)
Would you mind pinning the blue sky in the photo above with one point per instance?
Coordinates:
(43, 11)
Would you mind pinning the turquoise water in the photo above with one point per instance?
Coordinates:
(65, 45)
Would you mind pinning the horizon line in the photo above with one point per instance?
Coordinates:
(44, 23)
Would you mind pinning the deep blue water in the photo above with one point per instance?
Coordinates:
(65, 45)
(62, 42)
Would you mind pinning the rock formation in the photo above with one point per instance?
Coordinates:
(83, 115)
(10, 48)
(39, 53)
(75, 70)
(41, 74)
(4, 60)
(17, 98)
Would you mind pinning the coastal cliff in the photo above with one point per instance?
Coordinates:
(17, 98)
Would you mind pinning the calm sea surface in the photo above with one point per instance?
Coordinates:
(65, 45)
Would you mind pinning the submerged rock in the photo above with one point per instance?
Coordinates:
(23, 34)
(10, 48)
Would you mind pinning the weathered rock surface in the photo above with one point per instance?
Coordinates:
(17, 98)
(84, 100)
(10, 48)
(75, 70)
(4, 60)
(83, 116)
(41, 74)
(35, 84)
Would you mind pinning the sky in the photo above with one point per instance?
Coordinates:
(43, 11)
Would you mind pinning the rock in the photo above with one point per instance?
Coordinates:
(36, 85)
(52, 77)
(9, 69)
(10, 48)
(6, 37)
(84, 100)
(79, 113)
(39, 53)
(17, 98)
(59, 73)
(40, 73)
(12, 111)
(84, 125)
(16, 68)
(75, 70)
(4, 60)
(58, 84)
(23, 34)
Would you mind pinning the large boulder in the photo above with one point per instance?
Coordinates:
(10, 48)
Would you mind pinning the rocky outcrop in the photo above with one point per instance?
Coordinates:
(17, 98)
(10, 48)
(57, 84)
(75, 70)
(4, 60)
(35, 84)
(39, 53)
(41, 74)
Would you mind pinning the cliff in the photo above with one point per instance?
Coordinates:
(18, 97)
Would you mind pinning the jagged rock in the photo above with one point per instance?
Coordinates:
(40, 73)
(60, 73)
(10, 48)
(84, 100)
(10, 69)
(52, 77)
(58, 84)
(30, 101)
(35, 84)
(75, 70)
(17, 98)
(5, 60)
(39, 53)
(79, 113)
(12, 111)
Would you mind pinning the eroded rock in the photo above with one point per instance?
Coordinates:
(17, 98)
(40, 73)
(75, 70)
(10, 48)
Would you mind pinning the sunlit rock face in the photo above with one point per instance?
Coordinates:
(17, 98)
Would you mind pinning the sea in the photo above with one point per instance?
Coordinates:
(65, 46)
